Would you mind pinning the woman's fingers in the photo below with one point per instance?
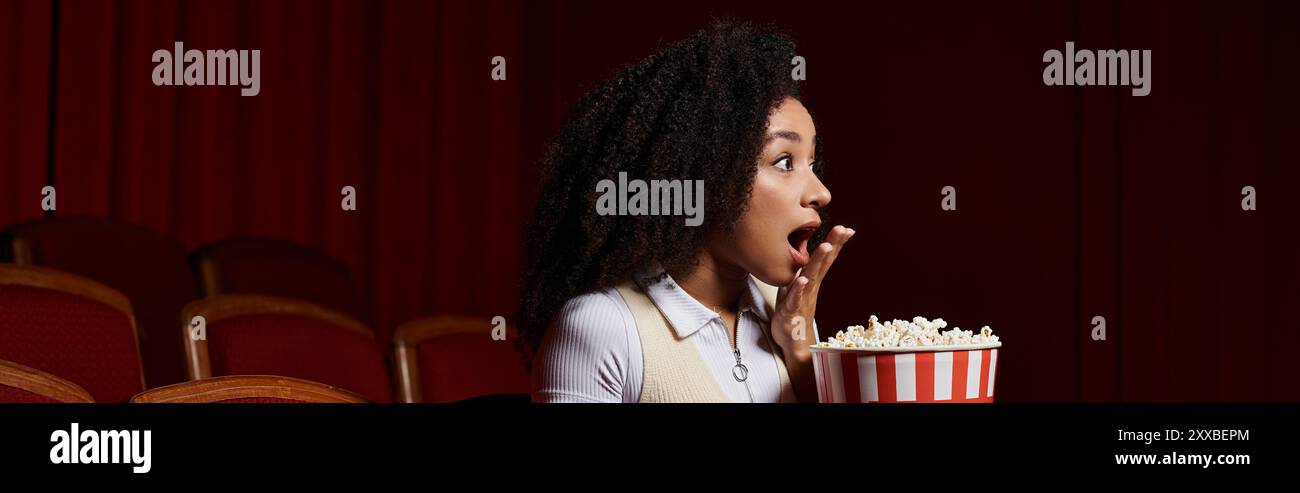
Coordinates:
(825, 254)
(794, 295)
(784, 291)
(838, 237)
(814, 267)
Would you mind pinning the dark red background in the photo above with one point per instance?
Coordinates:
(1071, 202)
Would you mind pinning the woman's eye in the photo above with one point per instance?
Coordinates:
(784, 164)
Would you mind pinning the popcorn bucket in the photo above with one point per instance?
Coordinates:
(913, 374)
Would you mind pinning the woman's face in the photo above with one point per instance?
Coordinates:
(771, 241)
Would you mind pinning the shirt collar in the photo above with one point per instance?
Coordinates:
(684, 313)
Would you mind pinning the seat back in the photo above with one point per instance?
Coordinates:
(267, 335)
(151, 269)
(70, 326)
(452, 358)
(277, 268)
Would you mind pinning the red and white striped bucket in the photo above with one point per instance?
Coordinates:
(906, 374)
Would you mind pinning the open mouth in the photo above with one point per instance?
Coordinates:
(799, 243)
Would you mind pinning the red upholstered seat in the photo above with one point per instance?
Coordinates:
(299, 347)
(277, 268)
(253, 334)
(149, 268)
(248, 389)
(459, 366)
(71, 327)
(452, 358)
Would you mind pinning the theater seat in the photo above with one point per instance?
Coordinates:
(266, 335)
(247, 389)
(19, 383)
(278, 268)
(72, 327)
(150, 268)
(454, 358)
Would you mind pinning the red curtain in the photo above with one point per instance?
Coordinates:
(1072, 202)
(24, 106)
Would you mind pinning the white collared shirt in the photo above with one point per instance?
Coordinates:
(592, 352)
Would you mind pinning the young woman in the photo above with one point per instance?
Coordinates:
(644, 308)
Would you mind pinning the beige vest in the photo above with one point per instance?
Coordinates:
(674, 371)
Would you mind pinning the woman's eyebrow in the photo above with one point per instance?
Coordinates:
(783, 134)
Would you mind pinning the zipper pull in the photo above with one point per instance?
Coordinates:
(740, 372)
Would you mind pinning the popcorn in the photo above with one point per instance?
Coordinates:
(901, 333)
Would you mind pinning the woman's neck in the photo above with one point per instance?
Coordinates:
(714, 284)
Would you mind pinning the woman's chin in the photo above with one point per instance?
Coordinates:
(778, 276)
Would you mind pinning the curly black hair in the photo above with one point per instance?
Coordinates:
(697, 109)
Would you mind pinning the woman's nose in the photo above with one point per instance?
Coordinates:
(816, 195)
